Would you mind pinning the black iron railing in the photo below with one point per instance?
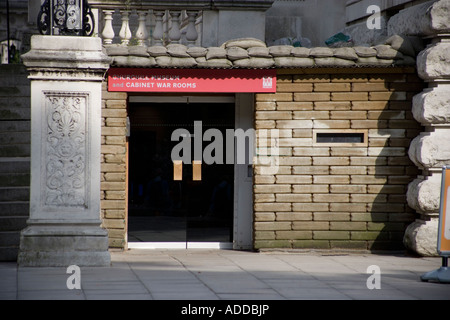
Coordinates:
(66, 17)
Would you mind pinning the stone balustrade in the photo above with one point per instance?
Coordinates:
(145, 27)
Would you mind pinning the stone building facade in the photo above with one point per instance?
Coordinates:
(324, 195)
(360, 139)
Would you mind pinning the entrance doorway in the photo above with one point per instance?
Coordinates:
(197, 208)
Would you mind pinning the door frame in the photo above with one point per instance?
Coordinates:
(243, 183)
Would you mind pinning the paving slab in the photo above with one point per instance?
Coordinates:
(198, 274)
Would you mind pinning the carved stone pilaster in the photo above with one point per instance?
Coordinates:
(64, 227)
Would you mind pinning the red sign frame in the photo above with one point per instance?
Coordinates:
(192, 80)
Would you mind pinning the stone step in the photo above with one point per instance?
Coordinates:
(15, 101)
(14, 194)
(9, 239)
(13, 75)
(14, 208)
(14, 111)
(19, 90)
(14, 138)
(15, 108)
(14, 179)
(17, 150)
(9, 253)
(15, 165)
(15, 126)
(13, 223)
(15, 115)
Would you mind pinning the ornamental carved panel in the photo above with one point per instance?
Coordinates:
(64, 136)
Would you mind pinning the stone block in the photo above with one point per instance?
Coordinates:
(293, 216)
(313, 188)
(424, 19)
(332, 198)
(332, 87)
(265, 216)
(428, 150)
(434, 62)
(347, 207)
(310, 207)
(387, 96)
(298, 197)
(262, 244)
(347, 226)
(351, 245)
(349, 96)
(265, 235)
(293, 234)
(275, 97)
(345, 188)
(312, 97)
(370, 105)
(331, 216)
(310, 225)
(430, 106)
(294, 124)
(303, 106)
(331, 235)
(349, 115)
(369, 235)
(331, 124)
(421, 237)
(370, 87)
(423, 195)
(294, 87)
(291, 179)
(272, 226)
(311, 244)
(272, 206)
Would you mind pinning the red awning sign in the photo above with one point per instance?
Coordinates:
(191, 80)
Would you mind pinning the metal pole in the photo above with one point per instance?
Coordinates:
(445, 261)
(7, 29)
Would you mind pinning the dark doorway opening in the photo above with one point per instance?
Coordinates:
(161, 209)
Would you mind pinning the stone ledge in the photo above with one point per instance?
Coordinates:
(252, 53)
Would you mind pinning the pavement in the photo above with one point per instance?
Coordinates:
(200, 274)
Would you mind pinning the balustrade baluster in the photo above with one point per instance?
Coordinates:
(166, 26)
(175, 33)
(142, 33)
(191, 31)
(158, 33)
(125, 32)
(108, 31)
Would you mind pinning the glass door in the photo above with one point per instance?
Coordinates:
(178, 203)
